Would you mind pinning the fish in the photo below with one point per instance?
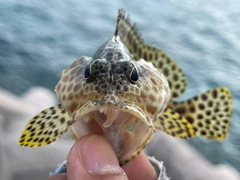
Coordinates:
(125, 92)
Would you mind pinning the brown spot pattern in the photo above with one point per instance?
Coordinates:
(209, 112)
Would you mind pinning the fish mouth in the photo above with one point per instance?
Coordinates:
(125, 129)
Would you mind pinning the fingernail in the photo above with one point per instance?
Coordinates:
(98, 157)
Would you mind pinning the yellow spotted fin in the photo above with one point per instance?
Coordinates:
(208, 114)
(174, 124)
(46, 127)
(132, 39)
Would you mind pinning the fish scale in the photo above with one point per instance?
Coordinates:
(125, 92)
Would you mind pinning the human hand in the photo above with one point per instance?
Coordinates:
(92, 157)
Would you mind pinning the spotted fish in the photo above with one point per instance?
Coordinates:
(124, 92)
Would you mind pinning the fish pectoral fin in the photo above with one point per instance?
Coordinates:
(174, 124)
(209, 113)
(45, 127)
(132, 39)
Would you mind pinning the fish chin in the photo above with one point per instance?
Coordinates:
(125, 130)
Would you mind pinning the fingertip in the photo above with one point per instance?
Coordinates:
(92, 156)
(75, 166)
(140, 168)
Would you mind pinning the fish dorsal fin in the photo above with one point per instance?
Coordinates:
(209, 113)
(132, 39)
(46, 127)
(127, 32)
(119, 18)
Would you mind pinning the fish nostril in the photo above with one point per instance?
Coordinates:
(90, 73)
(87, 72)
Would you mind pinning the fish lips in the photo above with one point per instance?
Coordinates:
(125, 129)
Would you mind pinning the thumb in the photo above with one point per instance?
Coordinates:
(91, 157)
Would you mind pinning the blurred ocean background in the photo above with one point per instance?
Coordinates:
(40, 38)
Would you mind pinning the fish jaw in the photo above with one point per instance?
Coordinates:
(124, 128)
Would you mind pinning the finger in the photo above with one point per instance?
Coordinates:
(140, 168)
(91, 157)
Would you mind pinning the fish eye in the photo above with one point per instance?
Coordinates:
(131, 73)
(134, 75)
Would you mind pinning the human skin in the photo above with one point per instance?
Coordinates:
(92, 157)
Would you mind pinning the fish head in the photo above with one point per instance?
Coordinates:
(113, 96)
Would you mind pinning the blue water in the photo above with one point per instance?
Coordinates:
(39, 38)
